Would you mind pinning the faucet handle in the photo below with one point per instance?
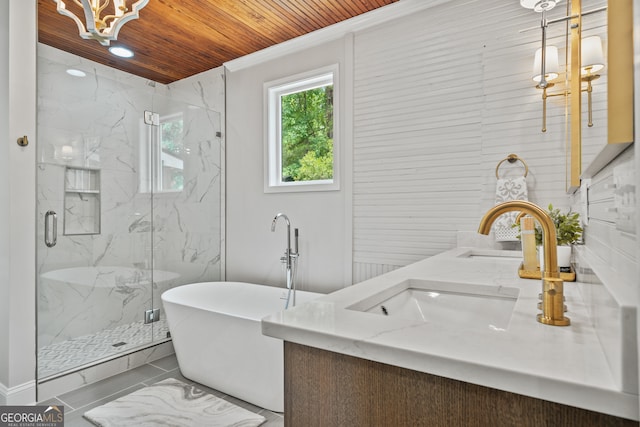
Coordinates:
(553, 307)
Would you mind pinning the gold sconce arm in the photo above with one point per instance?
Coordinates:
(544, 109)
(588, 89)
(546, 95)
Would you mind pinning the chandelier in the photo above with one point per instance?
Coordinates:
(98, 27)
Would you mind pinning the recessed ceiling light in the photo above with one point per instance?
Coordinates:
(76, 73)
(120, 51)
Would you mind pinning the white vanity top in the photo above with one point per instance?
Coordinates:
(559, 364)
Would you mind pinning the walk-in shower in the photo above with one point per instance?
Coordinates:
(128, 206)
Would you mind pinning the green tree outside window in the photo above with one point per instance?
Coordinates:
(307, 134)
(171, 141)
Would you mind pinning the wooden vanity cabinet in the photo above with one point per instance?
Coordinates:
(323, 388)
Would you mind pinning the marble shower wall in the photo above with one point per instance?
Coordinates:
(96, 122)
(187, 223)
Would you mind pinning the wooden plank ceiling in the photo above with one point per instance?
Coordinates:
(174, 39)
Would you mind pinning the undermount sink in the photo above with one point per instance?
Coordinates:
(493, 254)
(446, 303)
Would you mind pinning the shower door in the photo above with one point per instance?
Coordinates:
(128, 206)
(94, 225)
(184, 172)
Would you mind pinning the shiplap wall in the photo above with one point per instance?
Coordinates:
(440, 98)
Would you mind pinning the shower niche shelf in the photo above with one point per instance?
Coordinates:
(81, 201)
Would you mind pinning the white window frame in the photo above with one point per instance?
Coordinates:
(273, 91)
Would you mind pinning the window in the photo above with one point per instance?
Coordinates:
(301, 124)
(170, 176)
(162, 154)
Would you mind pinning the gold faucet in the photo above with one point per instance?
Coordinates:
(552, 285)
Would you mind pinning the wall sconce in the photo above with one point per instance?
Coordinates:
(551, 72)
(546, 68)
(104, 29)
(592, 61)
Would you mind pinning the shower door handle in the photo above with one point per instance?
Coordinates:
(54, 229)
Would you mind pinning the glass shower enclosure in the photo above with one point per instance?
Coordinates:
(128, 187)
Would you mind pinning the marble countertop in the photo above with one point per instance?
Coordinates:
(559, 364)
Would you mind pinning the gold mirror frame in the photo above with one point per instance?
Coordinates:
(576, 95)
(620, 81)
(619, 88)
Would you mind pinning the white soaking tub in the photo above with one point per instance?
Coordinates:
(217, 336)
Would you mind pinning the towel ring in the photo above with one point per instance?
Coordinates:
(512, 158)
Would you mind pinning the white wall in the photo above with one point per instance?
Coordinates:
(253, 251)
(5, 252)
(17, 230)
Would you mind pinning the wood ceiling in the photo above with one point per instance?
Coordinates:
(174, 39)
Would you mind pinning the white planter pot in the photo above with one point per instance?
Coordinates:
(564, 256)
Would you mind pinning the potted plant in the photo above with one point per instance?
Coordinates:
(568, 232)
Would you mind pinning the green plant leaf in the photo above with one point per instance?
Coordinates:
(568, 229)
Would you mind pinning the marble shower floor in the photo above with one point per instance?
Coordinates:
(79, 401)
(66, 355)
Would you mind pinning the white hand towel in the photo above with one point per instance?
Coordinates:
(509, 189)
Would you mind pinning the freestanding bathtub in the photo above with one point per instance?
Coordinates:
(216, 332)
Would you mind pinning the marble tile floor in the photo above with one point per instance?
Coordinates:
(69, 354)
(77, 402)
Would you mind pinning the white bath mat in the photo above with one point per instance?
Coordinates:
(171, 403)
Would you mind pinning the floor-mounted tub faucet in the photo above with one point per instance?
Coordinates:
(290, 258)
